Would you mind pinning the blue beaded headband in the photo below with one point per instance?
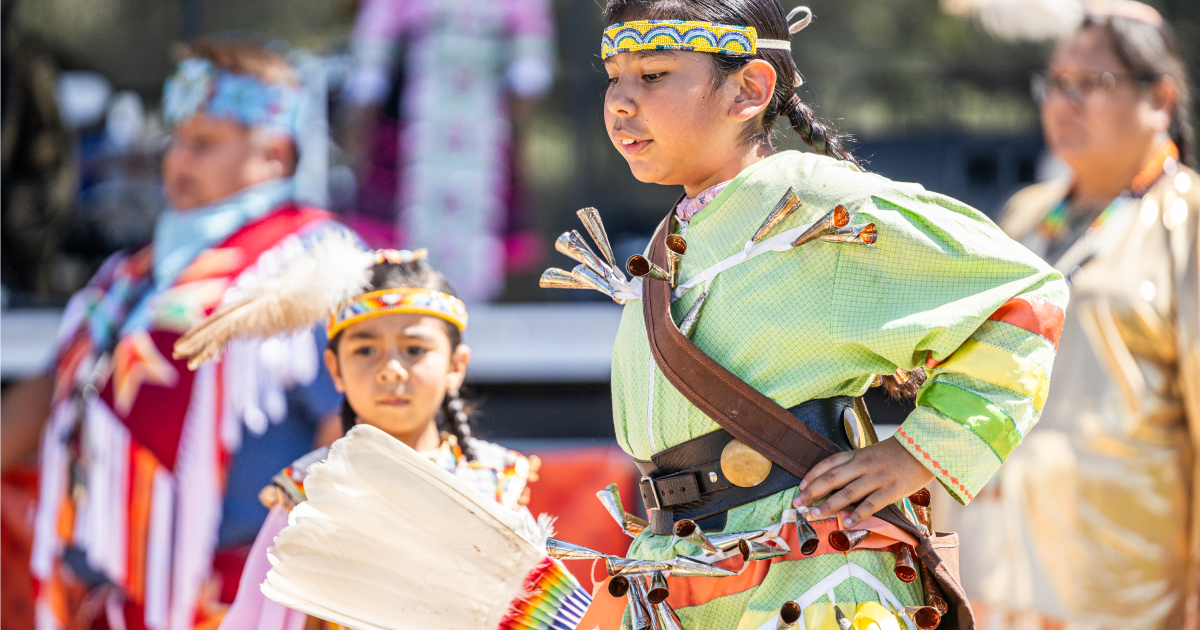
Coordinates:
(197, 86)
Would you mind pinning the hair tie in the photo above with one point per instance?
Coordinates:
(791, 105)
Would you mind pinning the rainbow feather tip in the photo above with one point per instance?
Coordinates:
(552, 599)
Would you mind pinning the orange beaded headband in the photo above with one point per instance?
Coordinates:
(399, 300)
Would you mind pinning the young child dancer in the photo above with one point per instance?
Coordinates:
(736, 321)
(396, 353)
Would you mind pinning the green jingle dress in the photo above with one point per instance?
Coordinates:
(942, 287)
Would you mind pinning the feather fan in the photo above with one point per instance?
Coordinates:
(331, 271)
(1022, 19)
(389, 541)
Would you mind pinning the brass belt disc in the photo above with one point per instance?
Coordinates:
(743, 466)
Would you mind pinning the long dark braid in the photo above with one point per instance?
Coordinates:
(456, 416)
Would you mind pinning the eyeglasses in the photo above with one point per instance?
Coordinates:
(1076, 90)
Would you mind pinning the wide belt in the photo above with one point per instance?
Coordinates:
(687, 481)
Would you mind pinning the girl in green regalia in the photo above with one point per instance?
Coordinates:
(850, 280)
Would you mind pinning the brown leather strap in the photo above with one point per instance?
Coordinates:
(759, 421)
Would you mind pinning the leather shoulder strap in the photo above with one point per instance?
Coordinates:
(745, 412)
(759, 421)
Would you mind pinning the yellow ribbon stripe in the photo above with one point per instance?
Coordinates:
(1000, 367)
(974, 412)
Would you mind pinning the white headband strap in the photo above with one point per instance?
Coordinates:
(793, 28)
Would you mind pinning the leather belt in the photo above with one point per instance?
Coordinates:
(686, 480)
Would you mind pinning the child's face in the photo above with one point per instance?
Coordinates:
(212, 158)
(672, 125)
(395, 371)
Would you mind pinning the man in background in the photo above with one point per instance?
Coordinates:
(149, 471)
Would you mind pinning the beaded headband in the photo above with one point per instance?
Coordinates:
(694, 36)
(198, 86)
(399, 300)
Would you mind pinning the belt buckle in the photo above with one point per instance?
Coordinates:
(650, 496)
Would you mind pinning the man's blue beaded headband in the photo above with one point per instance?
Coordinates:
(197, 86)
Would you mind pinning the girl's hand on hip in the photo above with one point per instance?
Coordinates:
(875, 477)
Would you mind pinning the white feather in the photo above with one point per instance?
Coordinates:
(331, 271)
(1022, 19)
(389, 541)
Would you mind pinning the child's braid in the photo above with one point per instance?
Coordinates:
(813, 132)
(458, 421)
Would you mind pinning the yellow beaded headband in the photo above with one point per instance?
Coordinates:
(695, 36)
(400, 300)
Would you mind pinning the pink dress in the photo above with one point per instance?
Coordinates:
(446, 182)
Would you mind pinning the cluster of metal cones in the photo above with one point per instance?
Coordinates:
(834, 227)
(592, 272)
(644, 582)
(601, 273)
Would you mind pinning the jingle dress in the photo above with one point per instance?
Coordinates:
(943, 287)
(496, 472)
(1102, 512)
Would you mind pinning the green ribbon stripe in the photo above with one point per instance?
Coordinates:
(976, 413)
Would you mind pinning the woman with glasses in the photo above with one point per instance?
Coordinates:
(1096, 519)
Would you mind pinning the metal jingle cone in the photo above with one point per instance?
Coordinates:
(555, 278)
(688, 323)
(809, 541)
(921, 497)
(840, 616)
(586, 276)
(639, 266)
(859, 234)
(572, 244)
(906, 565)
(837, 218)
(752, 551)
(676, 248)
(639, 611)
(931, 589)
(685, 567)
(688, 530)
(658, 590)
(595, 228)
(923, 518)
(667, 618)
(787, 204)
(635, 525)
(925, 617)
(563, 550)
(618, 586)
(844, 540)
(610, 497)
(625, 566)
(789, 614)
(726, 542)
